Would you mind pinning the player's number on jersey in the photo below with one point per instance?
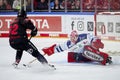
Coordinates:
(14, 29)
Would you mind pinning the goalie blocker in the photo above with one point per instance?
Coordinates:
(89, 54)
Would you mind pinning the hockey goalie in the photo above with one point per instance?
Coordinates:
(81, 48)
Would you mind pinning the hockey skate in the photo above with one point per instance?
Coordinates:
(52, 66)
(49, 66)
(15, 65)
(108, 61)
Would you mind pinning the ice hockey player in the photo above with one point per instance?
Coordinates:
(19, 41)
(82, 48)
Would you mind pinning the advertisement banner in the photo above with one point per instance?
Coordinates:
(43, 23)
(80, 23)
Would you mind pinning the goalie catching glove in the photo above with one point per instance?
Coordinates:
(49, 50)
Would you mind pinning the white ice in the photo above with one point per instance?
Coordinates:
(64, 71)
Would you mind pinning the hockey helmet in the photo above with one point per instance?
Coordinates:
(73, 36)
(22, 13)
(97, 44)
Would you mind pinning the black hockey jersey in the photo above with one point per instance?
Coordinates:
(18, 29)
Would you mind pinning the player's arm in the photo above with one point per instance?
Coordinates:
(78, 47)
(34, 32)
(57, 48)
(62, 47)
(30, 26)
(65, 46)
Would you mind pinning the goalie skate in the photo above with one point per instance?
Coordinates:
(109, 61)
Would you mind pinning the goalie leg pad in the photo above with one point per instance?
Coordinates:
(105, 56)
(92, 54)
(95, 55)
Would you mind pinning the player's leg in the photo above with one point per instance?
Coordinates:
(77, 57)
(18, 55)
(80, 58)
(18, 58)
(30, 48)
(39, 56)
(19, 51)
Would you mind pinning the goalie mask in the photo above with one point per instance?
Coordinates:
(74, 36)
(97, 44)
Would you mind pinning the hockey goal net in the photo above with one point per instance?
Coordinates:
(107, 27)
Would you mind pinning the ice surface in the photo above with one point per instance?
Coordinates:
(65, 71)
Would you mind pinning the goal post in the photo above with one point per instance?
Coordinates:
(107, 25)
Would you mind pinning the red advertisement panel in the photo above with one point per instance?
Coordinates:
(43, 23)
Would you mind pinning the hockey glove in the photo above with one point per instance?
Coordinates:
(34, 32)
(49, 50)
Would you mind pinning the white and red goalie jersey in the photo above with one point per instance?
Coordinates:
(77, 44)
(71, 45)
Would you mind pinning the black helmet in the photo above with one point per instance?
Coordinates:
(22, 13)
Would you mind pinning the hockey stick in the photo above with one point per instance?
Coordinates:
(30, 62)
(28, 65)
